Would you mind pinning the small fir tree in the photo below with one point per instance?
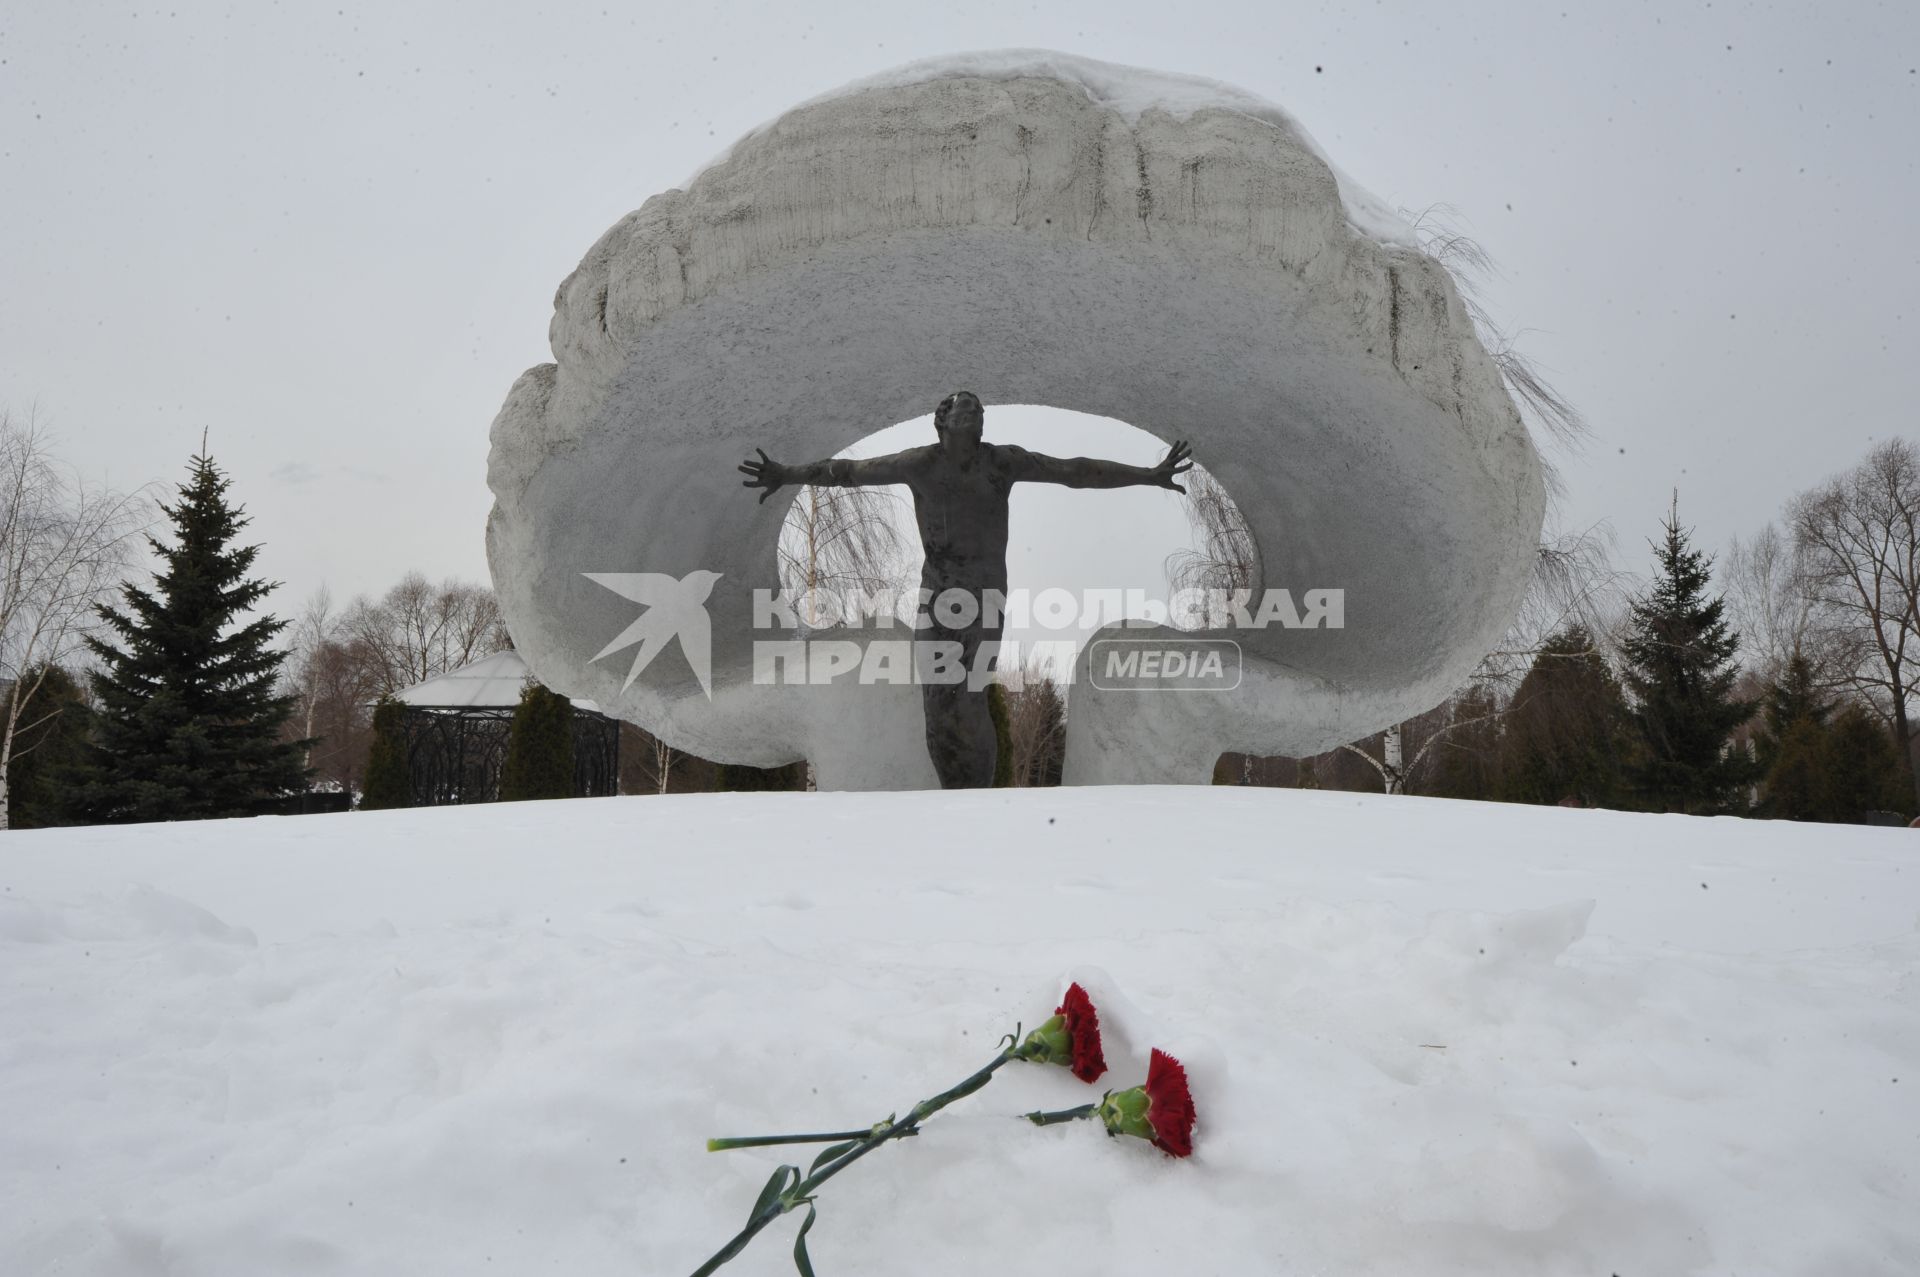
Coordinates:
(190, 721)
(1862, 767)
(539, 747)
(388, 782)
(1566, 730)
(1798, 785)
(1789, 698)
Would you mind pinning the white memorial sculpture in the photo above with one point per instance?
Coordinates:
(1041, 229)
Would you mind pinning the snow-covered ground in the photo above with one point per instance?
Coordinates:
(1425, 1037)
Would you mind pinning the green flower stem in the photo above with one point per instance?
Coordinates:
(881, 1132)
(1062, 1115)
(763, 1141)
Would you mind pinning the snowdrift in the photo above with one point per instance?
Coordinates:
(1425, 1037)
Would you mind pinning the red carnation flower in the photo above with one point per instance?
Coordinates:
(1170, 1107)
(1161, 1111)
(1083, 1030)
(1070, 1039)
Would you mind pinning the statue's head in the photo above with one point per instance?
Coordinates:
(959, 421)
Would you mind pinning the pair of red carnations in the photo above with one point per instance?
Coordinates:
(1160, 1111)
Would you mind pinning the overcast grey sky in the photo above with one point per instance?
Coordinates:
(330, 234)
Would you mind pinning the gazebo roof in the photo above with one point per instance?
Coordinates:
(492, 682)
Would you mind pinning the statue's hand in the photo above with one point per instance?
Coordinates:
(764, 473)
(1175, 464)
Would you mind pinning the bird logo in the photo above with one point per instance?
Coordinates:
(676, 609)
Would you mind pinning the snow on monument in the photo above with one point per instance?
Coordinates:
(1038, 228)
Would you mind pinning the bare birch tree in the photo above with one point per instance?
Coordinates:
(1472, 706)
(1223, 556)
(1774, 610)
(335, 678)
(657, 759)
(648, 765)
(418, 629)
(1858, 537)
(308, 636)
(1574, 585)
(64, 545)
(838, 540)
(1036, 724)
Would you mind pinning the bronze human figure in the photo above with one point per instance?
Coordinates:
(960, 487)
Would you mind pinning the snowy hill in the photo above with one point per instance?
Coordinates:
(1425, 1037)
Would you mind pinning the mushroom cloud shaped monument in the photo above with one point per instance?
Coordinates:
(1044, 229)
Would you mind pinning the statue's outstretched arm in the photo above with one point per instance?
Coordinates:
(835, 472)
(1092, 472)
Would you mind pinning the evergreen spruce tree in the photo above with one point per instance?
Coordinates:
(387, 783)
(1789, 698)
(1862, 768)
(539, 747)
(49, 752)
(1566, 732)
(1791, 746)
(1680, 670)
(190, 718)
(1798, 785)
